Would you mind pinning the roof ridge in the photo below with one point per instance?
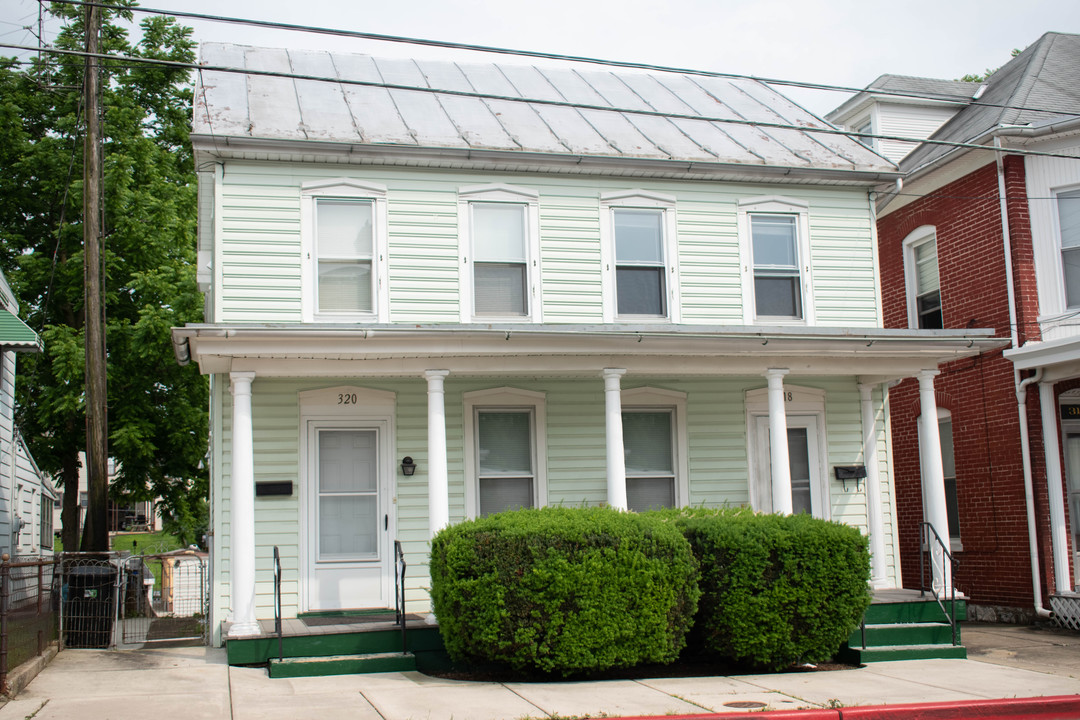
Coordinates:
(1029, 76)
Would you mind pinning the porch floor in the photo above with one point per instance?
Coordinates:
(905, 595)
(296, 627)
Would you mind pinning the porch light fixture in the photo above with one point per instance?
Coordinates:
(408, 467)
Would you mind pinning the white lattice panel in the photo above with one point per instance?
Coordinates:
(1066, 610)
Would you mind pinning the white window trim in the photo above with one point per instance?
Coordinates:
(504, 398)
(955, 543)
(799, 402)
(500, 193)
(916, 237)
(609, 201)
(869, 122)
(776, 205)
(351, 189)
(652, 398)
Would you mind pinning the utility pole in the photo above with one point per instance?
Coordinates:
(95, 531)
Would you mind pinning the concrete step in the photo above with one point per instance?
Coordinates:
(341, 665)
(912, 633)
(885, 653)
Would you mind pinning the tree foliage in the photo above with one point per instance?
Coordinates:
(157, 414)
(976, 78)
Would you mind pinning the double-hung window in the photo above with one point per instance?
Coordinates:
(1068, 207)
(500, 259)
(776, 260)
(499, 251)
(505, 462)
(344, 250)
(641, 278)
(655, 448)
(777, 280)
(923, 283)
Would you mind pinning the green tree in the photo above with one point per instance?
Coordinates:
(157, 412)
(986, 75)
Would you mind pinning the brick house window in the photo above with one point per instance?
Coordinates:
(923, 283)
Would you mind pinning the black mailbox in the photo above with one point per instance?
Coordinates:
(269, 489)
(850, 472)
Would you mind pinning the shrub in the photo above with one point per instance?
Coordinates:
(564, 590)
(775, 589)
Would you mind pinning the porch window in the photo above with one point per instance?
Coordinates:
(500, 259)
(506, 475)
(777, 280)
(948, 464)
(639, 262)
(648, 441)
(1068, 204)
(46, 522)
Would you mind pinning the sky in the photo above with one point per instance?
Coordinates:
(835, 42)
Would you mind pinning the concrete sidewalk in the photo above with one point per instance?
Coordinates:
(195, 682)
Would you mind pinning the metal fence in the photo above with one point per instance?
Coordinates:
(88, 599)
(28, 605)
(164, 597)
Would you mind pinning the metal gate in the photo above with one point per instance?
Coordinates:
(163, 597)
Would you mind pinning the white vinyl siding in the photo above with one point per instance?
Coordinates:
(573, 456)
(907, 121)
(1047, 177)
(257, 262)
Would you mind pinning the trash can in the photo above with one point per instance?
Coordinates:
(88, 606)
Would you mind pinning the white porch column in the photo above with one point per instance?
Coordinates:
(933, 481)
(438, 477)
(616, 459)
(242, 510)
(1055, 496)
(778, 443)
(875, 524)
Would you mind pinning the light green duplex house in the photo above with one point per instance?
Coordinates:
(437, 290)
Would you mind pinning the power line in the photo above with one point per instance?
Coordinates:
(760, 124)
(356, 34)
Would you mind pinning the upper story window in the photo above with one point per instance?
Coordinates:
(863, 129)
(499, 252)
(1068, 205)
(776, 260)
(921, 275)
(506, 460)
(640, 257)
(344, 251)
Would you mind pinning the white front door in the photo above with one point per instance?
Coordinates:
(804, 459)
(348, 541)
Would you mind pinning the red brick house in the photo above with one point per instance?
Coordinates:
(982, 234)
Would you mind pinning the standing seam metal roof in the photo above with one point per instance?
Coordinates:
(528, 109)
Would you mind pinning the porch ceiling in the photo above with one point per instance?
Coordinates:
(570, 350)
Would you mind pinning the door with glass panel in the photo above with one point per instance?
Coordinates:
(348, 521)
(803, 462)
(1072, 476)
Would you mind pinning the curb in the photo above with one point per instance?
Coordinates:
(1056, 707)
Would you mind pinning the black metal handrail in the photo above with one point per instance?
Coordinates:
(925, 530)
(277, 603)
(399, 591)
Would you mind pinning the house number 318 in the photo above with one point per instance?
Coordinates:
(346, 399)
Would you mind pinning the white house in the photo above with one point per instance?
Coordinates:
(436, 290)
(26, 495)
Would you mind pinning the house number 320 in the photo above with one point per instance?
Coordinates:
(346, 399)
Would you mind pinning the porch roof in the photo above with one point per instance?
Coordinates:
(330, 350)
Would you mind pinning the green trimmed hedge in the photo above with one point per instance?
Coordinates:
(775, 589)
(564, 590)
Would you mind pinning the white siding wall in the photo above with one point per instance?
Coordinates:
(259, 253)
(1045, 176)
(908, 121)
(718, 465)
(7, 447)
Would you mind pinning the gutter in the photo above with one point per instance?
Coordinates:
(1021, 394)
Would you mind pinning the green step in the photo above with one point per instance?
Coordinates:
(922, 633)
(911, 612)
(342, 665)
(258, 650)
(859, 656)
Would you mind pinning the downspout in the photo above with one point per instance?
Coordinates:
(1021, 391)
